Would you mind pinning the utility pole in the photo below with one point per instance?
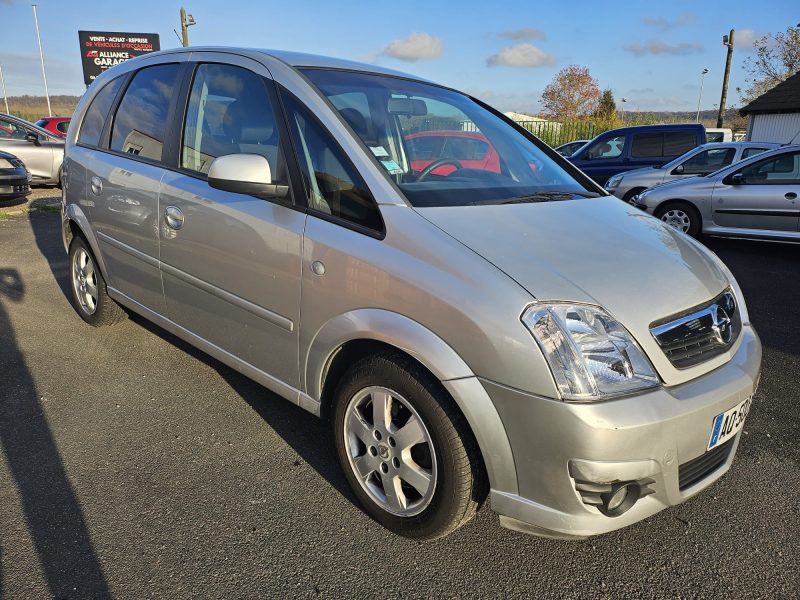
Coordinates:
(186, 22)
(3, 81)
(727, 40)
(41, 58)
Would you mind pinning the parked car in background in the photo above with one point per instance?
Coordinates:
(702, 160)
(629, 148)
(570, 148)
(715, 134)
(57, 125)
(466, 149)
(42, 151)
(755, 198)
(455, 330)
(14, 177)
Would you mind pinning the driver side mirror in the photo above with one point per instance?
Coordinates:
(245, 174)
(737, 179)
(33, 138)
(678, 170)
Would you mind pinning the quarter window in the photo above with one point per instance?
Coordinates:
(230, 112)
(140, 124)
(95, 117)
(333, 185)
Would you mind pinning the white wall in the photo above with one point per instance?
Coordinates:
(777, 128)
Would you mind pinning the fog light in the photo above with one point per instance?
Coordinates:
(621, 497)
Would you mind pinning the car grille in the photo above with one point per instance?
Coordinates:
(704, 465)
(701, 333)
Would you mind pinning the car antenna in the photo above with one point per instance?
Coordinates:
(791, 141)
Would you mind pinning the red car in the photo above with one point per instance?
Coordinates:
(57, 125)
(471, 149)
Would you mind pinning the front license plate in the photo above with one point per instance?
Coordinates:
(728, 424)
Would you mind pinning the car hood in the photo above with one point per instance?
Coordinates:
(599, 251)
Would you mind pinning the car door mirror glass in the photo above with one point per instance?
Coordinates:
(33, 138)
(245, 174)
(737, 179)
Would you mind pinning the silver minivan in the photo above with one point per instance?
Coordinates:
(471, 328)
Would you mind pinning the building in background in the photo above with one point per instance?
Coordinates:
(775, 115)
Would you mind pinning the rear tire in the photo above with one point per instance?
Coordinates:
(89, 295)
(682, 216)
(412, 462)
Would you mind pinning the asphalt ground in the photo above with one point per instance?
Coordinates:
(134, 466)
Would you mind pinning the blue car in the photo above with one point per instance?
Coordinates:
(627, 148)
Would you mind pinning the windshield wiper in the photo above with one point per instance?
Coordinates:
(544, 196)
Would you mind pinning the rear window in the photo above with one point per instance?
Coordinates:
(656, 145)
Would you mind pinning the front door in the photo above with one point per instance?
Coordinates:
(767, 197)
(231, 263)
(38, 158)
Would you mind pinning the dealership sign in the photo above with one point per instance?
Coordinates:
(101, 50)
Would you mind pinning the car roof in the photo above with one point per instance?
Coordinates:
(655, 128)
(739, 145)
(298, 59)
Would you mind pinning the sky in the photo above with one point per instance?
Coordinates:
(502, 52)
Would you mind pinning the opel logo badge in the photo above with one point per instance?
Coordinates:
(721, 324)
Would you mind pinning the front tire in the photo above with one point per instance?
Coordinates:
(631, 193)
(89, 295)
(405, 448)
(682, 216)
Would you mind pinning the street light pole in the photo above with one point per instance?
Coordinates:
(727, 40)
(622, 115)
(700, 98)
(3, 81)
(41, 58)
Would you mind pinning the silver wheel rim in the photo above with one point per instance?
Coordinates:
(390, 451)
(84, 281)
(678, 219)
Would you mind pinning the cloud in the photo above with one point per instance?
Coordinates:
(642, 91)
(417, 46)
(526, 33)
(744, 39)
(663, 23)
(659, 47)
(522, 56)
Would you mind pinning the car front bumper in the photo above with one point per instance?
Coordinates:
(645, 438)
(14, 183)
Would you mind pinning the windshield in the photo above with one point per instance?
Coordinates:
(442, 148)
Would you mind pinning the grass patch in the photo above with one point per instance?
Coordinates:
(4, 216)
(48, 208)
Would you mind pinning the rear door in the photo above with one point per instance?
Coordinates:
(231, 263)
(767, 198)
(658, 148)
(123, 180)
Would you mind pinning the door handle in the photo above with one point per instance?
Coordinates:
(790, 195)
(97, 185)
(174, 217)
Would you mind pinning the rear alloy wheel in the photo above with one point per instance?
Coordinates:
(681, 216)
(89, 294)
(405, 448)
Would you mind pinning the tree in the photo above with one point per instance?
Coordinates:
(605, 115)
(572, 94)
(776, 58)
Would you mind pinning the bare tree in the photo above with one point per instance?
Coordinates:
(573, 93)
(776, 58)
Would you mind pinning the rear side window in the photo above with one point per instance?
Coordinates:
(95, 118)
(646, 145)
(140, 124)
(334, 186)
(62, 126)
(462, 148)
(748, 152)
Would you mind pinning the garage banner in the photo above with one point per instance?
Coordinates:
(101, 50)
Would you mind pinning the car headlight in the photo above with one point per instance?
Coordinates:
(592, 357)
(613, 183)
(5, 164)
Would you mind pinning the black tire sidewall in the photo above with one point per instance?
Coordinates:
(439, 514)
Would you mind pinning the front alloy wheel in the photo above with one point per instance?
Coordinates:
(390, 450)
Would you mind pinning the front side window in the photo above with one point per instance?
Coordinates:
(140, 124)
(230, 112)
(11, 130)
(95, 118)
(607, 148)
(333, 184)
(708, 161)
(782, 169)
(440, 147)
